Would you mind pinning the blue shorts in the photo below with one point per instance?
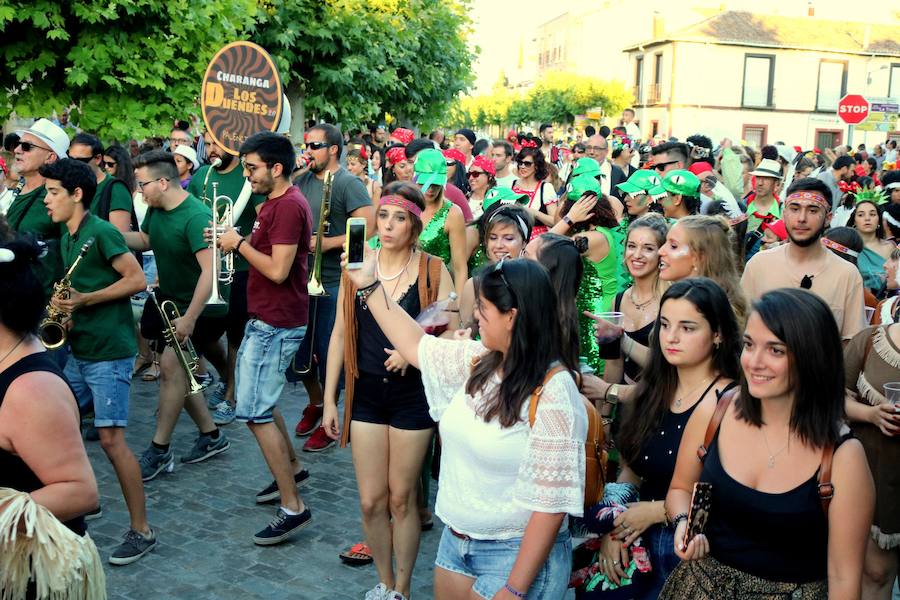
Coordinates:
(264, 355)
(489, 563)
(106, 384)
(322, 309)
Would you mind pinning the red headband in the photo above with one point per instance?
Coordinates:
(454, 154)
(808, 195)
(397, 154)
(485, 164)
(402, 203)
(404, 135)
(529, 144)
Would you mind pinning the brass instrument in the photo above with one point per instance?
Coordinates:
(314, 285)
(184, 352)
(52, 331)
(222, 264)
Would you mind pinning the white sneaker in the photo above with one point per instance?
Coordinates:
(379, 592)
(224, 413)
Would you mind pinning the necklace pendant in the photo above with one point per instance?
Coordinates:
(771, 462)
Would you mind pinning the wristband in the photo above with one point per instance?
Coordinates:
(514, 591)
(678, 518)
(364, 293)
(238, 247)
(568, 221)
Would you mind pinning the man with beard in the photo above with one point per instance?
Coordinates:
(805, 263)
(278, 302)
(349, 198)
(224, 170)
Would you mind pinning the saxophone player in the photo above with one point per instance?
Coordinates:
(102, 346)
(174, 229)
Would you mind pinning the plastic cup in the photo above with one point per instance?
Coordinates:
(614, 318)
(870, 312)
(892, 392)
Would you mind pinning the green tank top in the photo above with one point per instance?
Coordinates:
(597, 292)
(434, 240)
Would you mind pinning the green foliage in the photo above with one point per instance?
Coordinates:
(129, 66)
(354, 60)
(556, 98)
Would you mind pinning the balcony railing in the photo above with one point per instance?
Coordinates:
(636, 92)
(653, 94)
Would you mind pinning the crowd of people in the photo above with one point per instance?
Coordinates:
(721, 302)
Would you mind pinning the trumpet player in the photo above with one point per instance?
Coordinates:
(174, 229)
(349, 198)
(226, 173)
(99, 334)
(277, 301)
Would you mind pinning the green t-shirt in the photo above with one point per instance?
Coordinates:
(119, 200)
(29, 215)
(229, 184)
(175, 237)
(102, 331)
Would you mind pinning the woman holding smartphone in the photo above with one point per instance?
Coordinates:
(792, 498)
(506, 486)
(386, 413)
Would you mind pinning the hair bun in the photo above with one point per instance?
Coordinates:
(581, 244)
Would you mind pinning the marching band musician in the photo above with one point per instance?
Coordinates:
(229, 180)
(174, 229)
(99, 368)
(349, 198)
(278, 304)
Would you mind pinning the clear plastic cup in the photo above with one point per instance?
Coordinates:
(870, 312)
(892, 392)
(615, 318)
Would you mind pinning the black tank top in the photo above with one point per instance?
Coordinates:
(779, 537)
(371, 341)
(642, 337)
(14, 473)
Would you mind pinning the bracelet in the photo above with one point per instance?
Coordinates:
(612, 394)
(678, 518)
(364, 293)
(514, 591)
(666, 521)
(238, 247)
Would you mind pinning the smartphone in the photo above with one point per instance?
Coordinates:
(701, 501)
(355, 242)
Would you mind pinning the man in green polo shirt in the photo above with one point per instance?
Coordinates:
(112, 202)
(41, 144)
(174, 229)
(226, 172)
(100, 331)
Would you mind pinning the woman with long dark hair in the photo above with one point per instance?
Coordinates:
(117, 163)
(693, 360)
(792, 498)
(506, 485)
(532, 178)
(386, 412)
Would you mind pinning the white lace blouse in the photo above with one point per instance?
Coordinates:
(493, 478)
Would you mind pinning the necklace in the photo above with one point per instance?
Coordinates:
(772, 455)
(640, 306)
(391, 277)
(691, 392)
(11, 350)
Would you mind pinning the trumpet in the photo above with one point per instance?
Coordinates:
(52, 330)
(184, 352)
(222, 264)
(314, 285)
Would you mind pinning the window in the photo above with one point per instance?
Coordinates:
(828, 138)
(654, 128)
(894, 81)
(657, 68)
(638, 79)
(832, 84)
(759, 73)
(755, 135)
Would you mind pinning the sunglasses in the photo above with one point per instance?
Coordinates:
(662, 166)
(472, 174)
(110, 164)
(498, 268)
(597, 148)
(316, 145)
(83, 159)
(525, 163)
(451, 163)
(28, 147)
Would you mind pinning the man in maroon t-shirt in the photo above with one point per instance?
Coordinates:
(277, 303)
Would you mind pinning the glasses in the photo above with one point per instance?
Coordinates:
(179, 141)
(109, 164)
(662, 166)
(472, 174)
(141, 184)
(498, 268)
(251, 168)
(525, 163)
(597, 148)
(28, 147)
(316, 145)
(84, 159)
(451, 163)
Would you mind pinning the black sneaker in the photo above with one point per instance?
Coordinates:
(133, 548)
(94, 514)
(153, 462)
(270, 493)
(281, 527)
(206, 447)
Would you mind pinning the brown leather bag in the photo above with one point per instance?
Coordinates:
(594, 453)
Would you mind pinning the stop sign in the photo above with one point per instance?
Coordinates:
(853, 109)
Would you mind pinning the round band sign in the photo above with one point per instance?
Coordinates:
(241, 95)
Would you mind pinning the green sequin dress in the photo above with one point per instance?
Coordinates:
(596, 293)
(434, 240)
(477, 260)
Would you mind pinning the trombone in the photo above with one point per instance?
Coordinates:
(222, 264)
(184, 352)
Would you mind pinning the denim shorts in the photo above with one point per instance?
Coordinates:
(490, 562)
(106, 384)
(264, 355)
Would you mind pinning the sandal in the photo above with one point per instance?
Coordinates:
(141, 364)
(358, 555)
(152, 373)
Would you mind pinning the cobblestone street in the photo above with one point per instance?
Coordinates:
(205, 515)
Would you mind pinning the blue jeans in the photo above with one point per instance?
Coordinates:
(660, 544)
(322, 309)
(106, 384)
(490, 562)
(264, 355)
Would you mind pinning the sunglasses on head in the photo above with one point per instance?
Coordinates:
(316, 145)
(498, 268)
(28, 147)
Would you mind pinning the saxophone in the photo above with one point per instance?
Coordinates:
(52, 330)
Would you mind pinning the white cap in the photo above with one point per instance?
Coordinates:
(52, 135)
(189, 153)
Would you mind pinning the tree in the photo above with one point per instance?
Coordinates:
(350, 61)
(129, 67)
